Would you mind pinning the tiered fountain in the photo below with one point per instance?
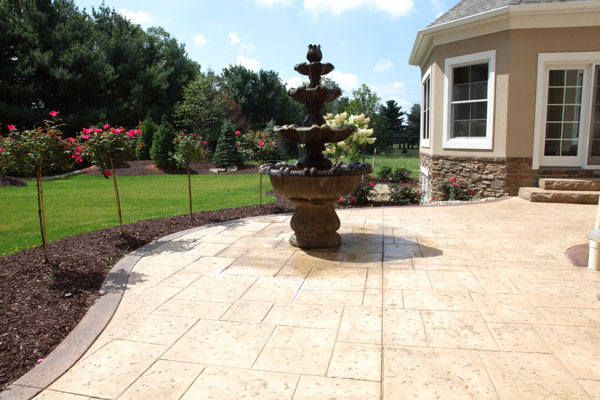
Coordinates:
(314, 183)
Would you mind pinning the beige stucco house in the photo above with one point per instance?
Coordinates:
(510, 93)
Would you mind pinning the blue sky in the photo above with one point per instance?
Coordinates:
(368, 41)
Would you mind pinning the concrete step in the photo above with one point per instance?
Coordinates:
(535, 194)
(588, 184)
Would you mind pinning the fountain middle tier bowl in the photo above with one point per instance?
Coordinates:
(315, 187)
(317, 95)
(315, 134)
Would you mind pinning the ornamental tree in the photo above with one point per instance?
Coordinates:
(352, 147)
(261, 146)
(35, 152)
(189, 149)
(107, 146)
(227, 152)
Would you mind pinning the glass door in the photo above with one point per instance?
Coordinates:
(594, 147)
(564, 103)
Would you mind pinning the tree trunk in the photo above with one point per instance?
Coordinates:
(187, 170)
(41, 212)
(114, 175)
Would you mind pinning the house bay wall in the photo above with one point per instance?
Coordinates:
(508, 165)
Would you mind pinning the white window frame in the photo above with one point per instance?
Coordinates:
(480, 143)
(546, 62)
(425, 142)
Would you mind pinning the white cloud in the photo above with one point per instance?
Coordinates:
(438, 7)
(248, 47)
(249, 63)
(395, 8)
(383, 65)
(200, 40)
(294, 82)
(270, 3)
(137, 17)
(394, 91)
(347, 82)
(234, 38)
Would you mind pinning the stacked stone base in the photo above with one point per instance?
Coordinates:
(491, 176)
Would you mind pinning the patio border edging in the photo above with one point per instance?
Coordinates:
(93, 323)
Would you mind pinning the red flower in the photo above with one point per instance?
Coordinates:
(130, 133)
(445, 194)
(237, 133)
(107, 173)
(341, 199)
(97, 130)
(471, 191)
(238, 147)
(85, 136)
(261, 143)
(10, 127)
(204, 142)
(1, 149)
(456, 184)
(137, 132)
(352, 199)
(451, 180)
(435, 198)
(371, 184)
(70, 139)
(53, 113)
(106, 126)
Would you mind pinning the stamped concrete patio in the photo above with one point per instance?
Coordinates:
(473, 301)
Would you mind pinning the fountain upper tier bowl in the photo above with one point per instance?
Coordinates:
(315, 134)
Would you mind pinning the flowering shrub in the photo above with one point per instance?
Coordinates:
(363, 194)
(350, 148)
(404, 194)
(35, 152)
(401, 175)
(106, 147)
(452, 189)
(258, 145)
(189, 149)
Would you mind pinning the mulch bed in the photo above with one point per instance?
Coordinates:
(41, 303)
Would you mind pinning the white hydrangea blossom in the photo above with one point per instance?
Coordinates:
(352, 146)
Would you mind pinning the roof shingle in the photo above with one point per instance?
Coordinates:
(468, 8)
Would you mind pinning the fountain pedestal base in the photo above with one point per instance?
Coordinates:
(315, 223)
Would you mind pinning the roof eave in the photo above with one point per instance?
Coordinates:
(425, 37)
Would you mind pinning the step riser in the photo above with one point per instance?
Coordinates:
(536, 195)
(570, 184)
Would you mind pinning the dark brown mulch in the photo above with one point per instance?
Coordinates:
(11, 181)
(41, 303)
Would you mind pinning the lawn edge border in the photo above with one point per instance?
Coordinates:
(95, 320)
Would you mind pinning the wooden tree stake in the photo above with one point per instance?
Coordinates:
(112, 167)
(41, 212)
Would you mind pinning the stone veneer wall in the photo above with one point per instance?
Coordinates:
(493, 176)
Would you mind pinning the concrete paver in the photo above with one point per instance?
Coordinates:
(473, 301)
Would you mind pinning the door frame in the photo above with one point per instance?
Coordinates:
(546, 62)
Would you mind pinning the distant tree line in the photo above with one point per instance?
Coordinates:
(101, 67)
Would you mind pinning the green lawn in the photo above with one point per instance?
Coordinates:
(395, 159)
(81, 204)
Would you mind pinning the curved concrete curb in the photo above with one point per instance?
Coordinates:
(74, 346)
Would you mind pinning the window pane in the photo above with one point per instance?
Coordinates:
(460, 92)
(595, 148)
(569, 147)
(553, 130)
(479, 73)
(479, 110)
(478, 91)
(570, 131)
(556, 95)
(461, 75)
(460, 129)
(552, 148)
(554, 113)
(557, 78)
(575, 77)
(573, 96)
(461, 112)
(478, 128)
(571, 113)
